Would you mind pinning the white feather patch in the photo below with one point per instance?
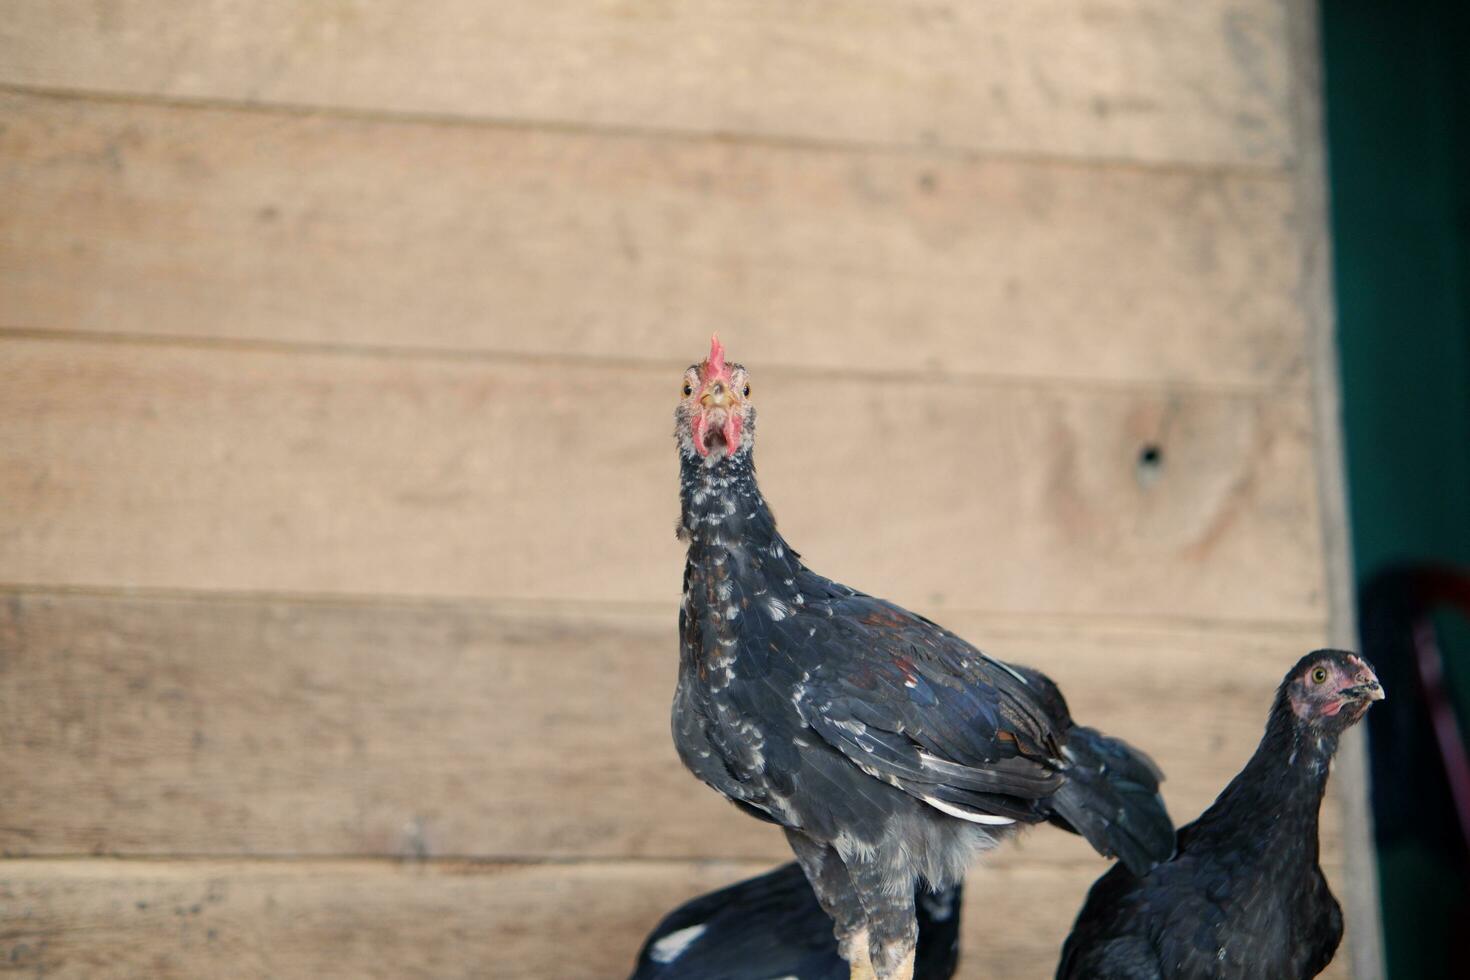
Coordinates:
(1007, 668)
(669, 948)
(988, 819)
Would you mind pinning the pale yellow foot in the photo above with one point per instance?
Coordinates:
(859, 964)
(905, 969)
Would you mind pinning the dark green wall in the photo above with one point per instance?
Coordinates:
(1398, 104)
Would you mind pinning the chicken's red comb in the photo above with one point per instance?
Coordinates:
(716, 359)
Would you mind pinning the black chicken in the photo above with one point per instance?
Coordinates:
(1244, 897)
(771, 926)
(889, 749)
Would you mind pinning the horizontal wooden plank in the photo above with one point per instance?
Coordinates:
(104, 919)
(207, 726)
(101, 919)
(1139, 79)
(147, 465)
(226, 224)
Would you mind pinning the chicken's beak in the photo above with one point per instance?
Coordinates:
(1371, 691)
(716, 395)
(1367, 688)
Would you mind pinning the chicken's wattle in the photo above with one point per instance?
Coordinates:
(716, 423)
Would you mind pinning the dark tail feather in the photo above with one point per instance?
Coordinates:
(1111, 797)
(938, 953)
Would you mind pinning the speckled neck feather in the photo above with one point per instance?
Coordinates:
(723, 509)
(736, 555)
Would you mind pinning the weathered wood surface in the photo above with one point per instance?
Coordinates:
(214, 726)
(1151, 80)
(404, 291)
(111, 919)
(176, 221)
(143, 465)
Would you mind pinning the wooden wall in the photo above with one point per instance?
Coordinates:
(338, 349)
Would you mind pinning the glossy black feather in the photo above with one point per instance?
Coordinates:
(772, 926)
(1244, 896)
(782, 668)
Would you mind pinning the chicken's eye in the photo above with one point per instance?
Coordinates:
(746, 392)
(688, 389)
(1319, 675)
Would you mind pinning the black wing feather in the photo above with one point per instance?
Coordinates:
(911, 703)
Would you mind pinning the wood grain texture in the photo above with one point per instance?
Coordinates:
(101, 919)
(107, 919)
(388, 304)
(161, 466)
(1142, 79)
(235, 224)
(219, 727)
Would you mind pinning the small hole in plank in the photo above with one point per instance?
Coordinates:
(1150, 463)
